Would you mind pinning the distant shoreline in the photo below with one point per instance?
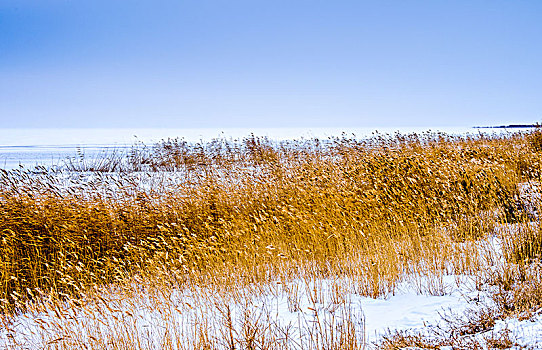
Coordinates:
(510, 126)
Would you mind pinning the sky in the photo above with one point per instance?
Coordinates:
(293, 63)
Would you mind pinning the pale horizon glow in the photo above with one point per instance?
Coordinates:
(103, 137)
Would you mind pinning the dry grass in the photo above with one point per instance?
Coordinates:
(253, 212)
(491, 340)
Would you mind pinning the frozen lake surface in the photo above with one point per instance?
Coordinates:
(49, 147)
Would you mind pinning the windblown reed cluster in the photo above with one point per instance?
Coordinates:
(377, 208)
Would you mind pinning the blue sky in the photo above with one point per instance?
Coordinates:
(277, 63)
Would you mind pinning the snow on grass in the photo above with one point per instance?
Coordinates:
(295, 314)
(527, 333)
(301, 313)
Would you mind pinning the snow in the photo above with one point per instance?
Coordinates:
(298, 304)
(299, 307)
(527, 333)
(407, 311)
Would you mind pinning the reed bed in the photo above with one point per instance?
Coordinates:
(238, 213)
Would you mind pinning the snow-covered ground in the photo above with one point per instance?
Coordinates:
(304, 313)
(299, 313)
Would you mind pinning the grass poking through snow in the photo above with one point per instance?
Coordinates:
(238, 217)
